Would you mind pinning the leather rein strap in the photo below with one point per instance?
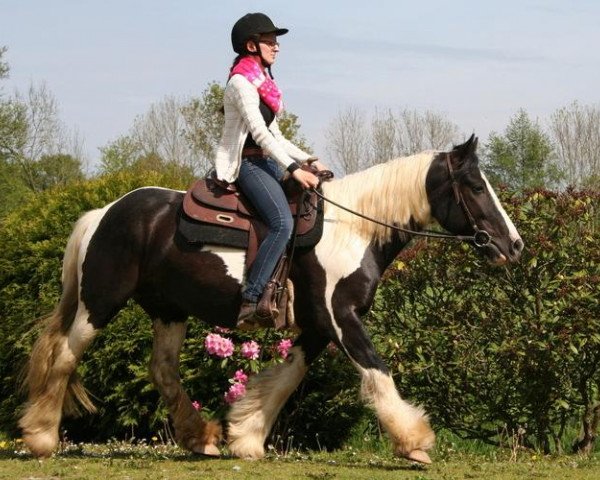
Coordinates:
(480, 239)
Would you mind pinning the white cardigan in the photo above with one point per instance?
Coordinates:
(242, 116)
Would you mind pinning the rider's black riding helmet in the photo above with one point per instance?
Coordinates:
(249, 27)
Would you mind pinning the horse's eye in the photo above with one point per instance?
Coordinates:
(478, 188)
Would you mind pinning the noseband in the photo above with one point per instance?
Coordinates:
(480, 239)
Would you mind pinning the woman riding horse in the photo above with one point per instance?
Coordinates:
(251, 148)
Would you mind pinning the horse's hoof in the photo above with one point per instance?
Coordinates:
(41, 445)
(208, 450)
(419, 456)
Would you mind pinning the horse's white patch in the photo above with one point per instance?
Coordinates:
(406, 424)
(512, 230)
(390, 192)
(233, 258)
(81, 332)
(93, 218)
(338, 262)
(252, 416)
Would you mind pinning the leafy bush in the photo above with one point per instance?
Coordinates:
(32, 240)
(491, 351)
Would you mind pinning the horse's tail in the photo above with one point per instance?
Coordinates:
(41, 379)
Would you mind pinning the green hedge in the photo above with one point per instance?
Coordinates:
(512, 350)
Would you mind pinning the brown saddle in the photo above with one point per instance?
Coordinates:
(211, 201)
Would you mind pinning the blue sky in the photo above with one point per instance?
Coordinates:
(475, 62)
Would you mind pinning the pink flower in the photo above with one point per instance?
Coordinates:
(283, 347)
(236, 391)
(197, 405)
(250, 350)
(217, 345)
(240, 377)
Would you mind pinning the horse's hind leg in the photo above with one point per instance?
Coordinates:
(51, 380)
(191, 431)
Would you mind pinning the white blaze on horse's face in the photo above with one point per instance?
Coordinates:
(515, 239)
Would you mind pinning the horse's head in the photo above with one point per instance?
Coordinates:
(464, 203)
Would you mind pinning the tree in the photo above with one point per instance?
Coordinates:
(354, 146)
(422, 131)
(523, 157)
(156, 141)
(57, 170)
(180, 135)
(290, 129)
(119, 155)
(30, 130)
(384, 136)
(576, 133)
(348, 141)
(13, 122)
(13, 134)
(160, 132)
(3, 65)
(203, 124)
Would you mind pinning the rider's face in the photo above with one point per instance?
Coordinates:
(269, 47)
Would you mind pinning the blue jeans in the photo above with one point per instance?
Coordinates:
(259, 180)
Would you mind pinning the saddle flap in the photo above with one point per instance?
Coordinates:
(213, 215)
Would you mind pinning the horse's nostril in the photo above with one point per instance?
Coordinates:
(517, 246)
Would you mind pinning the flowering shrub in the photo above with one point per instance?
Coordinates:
(249, 355)
(219, 346)
(250, 350)
(236, 391)
(283, 346)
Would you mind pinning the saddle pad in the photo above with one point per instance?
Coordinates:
(196, 232)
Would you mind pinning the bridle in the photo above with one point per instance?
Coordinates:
(480, 239)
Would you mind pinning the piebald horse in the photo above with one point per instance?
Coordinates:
(130, 249)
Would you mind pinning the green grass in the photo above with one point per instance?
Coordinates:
(127, 461)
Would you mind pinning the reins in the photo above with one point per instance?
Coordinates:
(480, 239)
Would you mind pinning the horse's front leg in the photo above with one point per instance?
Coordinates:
(406, 424)
(191, 431)
(251, 417)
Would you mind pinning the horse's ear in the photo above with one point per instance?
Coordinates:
(470, 146)
(474, 144)
(465, 151)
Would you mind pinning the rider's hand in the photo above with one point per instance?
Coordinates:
(305, 179)
(315, 162)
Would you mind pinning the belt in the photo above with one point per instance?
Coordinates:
(253, 152)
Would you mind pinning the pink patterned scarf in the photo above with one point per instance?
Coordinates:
(267, 89)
